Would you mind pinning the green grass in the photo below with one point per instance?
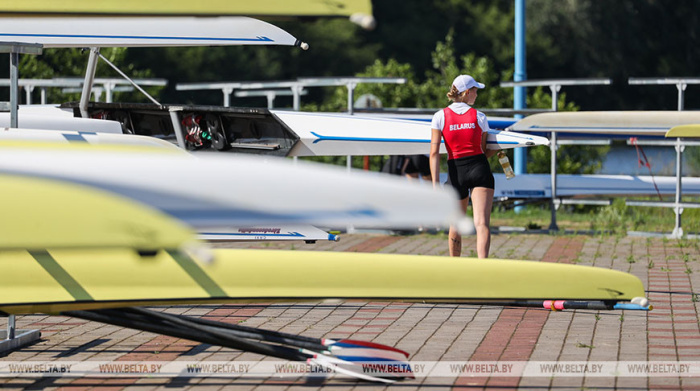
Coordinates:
(615, 219)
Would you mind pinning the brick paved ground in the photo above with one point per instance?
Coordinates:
(669, 269)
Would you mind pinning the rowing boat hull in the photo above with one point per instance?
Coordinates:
(289, 133)
(63, 280)
(182, 7)
(690, 131)
(48, 137)
(326, 134)
(91, 31)
(272, 232)
(232, 190)
(540, 186)
(62, 123)
(607, 123)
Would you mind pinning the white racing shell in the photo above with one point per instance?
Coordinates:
(233, 189)
(627, 123)
(70, 32)
(327, 134)
(540, 186)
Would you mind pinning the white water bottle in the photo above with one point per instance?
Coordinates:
(505, 163)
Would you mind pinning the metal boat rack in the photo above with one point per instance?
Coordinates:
(679, 144)
(71, 85)
(13, 338)
(273, 88)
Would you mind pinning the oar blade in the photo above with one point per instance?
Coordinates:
(353, 343)
(365, 354)
(388, 371)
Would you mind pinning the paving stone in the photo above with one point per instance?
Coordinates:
(446, 333)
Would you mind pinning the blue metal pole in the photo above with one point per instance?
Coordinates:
(519, 97)
(520, 74)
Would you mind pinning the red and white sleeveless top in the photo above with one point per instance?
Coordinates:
(462, 134)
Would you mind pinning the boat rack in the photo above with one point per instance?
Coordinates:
(13, 338)
(296, 86)
(243, 130)
(73, 84)
(554, 86)
(679, 144)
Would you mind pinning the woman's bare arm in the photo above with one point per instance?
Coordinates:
(435, 139)
(487, 152)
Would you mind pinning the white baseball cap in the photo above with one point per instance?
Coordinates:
(465, 82)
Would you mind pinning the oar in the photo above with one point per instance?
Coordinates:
(348, 351)
(365, 370)
(188, 331)
(181, 329)
(558, 305)
(352, 343)
(217, 333)
(301, 341)
(361, 354)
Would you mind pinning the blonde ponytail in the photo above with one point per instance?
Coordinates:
(454, 94)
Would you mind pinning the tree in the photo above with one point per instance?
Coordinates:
(430, 93)
(56, 63)
(621, 39)
(336, 49)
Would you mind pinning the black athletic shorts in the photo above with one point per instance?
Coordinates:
(468, 172)
(418, 164)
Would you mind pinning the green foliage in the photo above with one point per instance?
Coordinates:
(613, 218)
(692, 156)
(431, 93)
(336, 48)
(447, 65)
(565, 39)
(391, 95)
(56, 63)
(431, 90)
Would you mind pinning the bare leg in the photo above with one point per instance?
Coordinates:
(482, 200)
(455, 238)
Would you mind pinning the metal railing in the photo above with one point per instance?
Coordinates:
(680, 82)
(12, 339)
(70, 84)
(555, 86)
(679, 144)
(296, 86)
(269, 94)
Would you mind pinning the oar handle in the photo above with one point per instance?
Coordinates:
(558, 305)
